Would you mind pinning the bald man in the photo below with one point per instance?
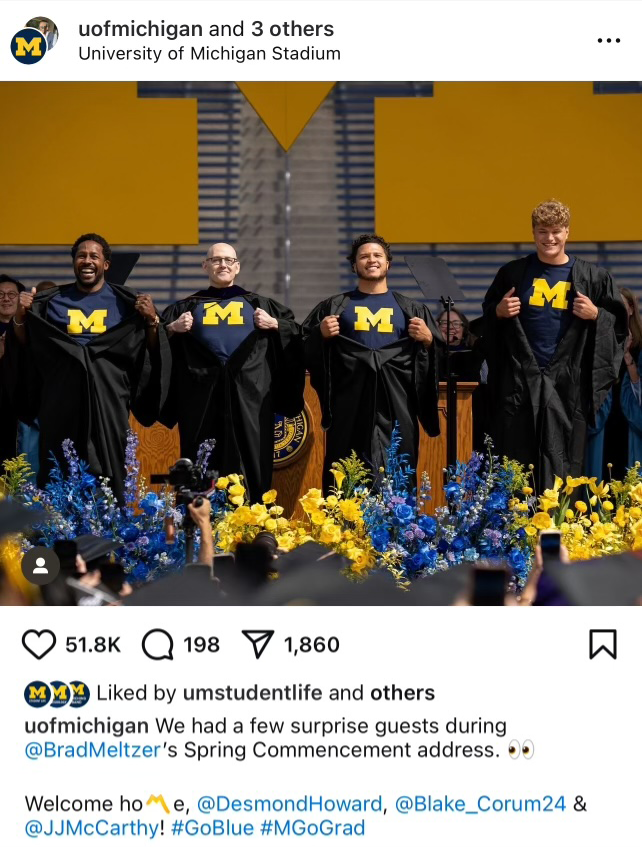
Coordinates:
(237, 360)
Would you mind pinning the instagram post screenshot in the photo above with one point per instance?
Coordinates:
(320, 330)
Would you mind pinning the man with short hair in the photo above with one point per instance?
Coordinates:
(237, 360)
(92, 351)
(554, 335)
(371, 356)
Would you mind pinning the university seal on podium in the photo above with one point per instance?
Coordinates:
(291, 436)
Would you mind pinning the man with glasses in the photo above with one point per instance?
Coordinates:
(237, 360)
(10, 290)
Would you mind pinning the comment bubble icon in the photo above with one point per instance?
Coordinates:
(158, 644)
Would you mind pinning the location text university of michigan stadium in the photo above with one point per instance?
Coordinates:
(248, 30)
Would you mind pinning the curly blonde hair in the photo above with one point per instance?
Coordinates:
(551, 214)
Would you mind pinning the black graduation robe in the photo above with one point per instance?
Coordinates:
(234, 402)
(540, 416)
(363, 392)
(85, 392)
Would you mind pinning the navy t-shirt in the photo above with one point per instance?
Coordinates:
(223, 320)
(547, 306)
(4, 326)
(82, 315)
(373, 320)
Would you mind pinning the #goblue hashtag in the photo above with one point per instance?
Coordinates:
(177, 827)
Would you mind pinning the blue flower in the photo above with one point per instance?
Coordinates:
(453, 492)
(496, 501)
(429, 555)
(460, 543)
(139, 573)
(404, 513)
(428, 525)
(129, 533)
(517, 559)
(416, 561)
(380, 538)
(442, 546)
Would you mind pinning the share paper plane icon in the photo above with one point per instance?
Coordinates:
(259, 639)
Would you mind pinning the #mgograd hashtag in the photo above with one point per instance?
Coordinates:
(266, 827)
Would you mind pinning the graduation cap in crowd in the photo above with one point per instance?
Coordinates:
(191, 587)
(92, 548)
(615, 580)
(14, 517)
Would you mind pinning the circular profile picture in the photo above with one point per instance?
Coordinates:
(48, 29)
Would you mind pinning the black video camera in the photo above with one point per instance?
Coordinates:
(189, 484)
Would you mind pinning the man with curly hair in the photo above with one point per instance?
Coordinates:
(88, 353)
(371, 356)
(554, 333)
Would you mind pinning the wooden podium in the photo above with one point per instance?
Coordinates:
(293, 476)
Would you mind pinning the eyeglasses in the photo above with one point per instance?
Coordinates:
(217, 262)
(4, 296)
(454, 325)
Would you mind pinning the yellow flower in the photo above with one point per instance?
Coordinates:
(541, 521)
(236, 489)
(620, 517)
(607, 505)
(636, 493)
(283, 524)
(594, 517)
(530, 530)
(522, 507)
(269, 497)
(270, 525)
(557, 485)
(573, 482)
(564, 527)
(330, 533)
(548, 500)
(339, 477)
(593, 500)
(276, 510)
(527, 490)
(601, 491)
(581, 506)
(222, 482)
(350, 510)
(359, 557)
(318, 517)
(635, 513)
(332, 500)
(570, 515)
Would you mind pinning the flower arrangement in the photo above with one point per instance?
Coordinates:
(595, 519)
(476, 523)
(491, 512)
(75, 503)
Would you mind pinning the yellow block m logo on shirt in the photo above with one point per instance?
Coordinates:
(232, 313)
(382, 319)
(544, 293)
(81, 323)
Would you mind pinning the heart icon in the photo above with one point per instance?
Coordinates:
(39, 642)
